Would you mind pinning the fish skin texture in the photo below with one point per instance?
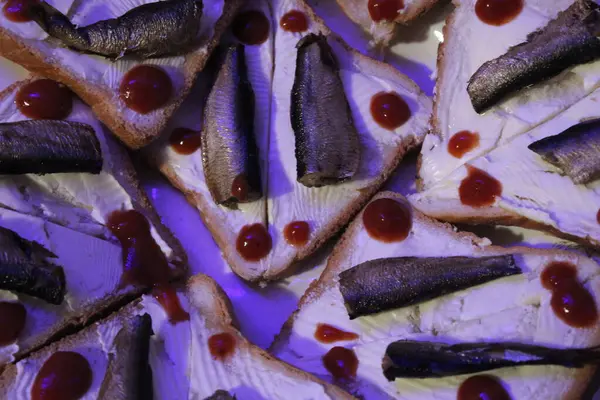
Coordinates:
(48, 146)
(327, 143)
(160, 29)
(566, 41)
(391, 283)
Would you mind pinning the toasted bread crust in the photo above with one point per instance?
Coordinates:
(37, 58)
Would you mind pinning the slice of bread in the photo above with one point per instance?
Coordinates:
(326, 209)
(468, 43)
(515, 309)
(96, 80)
(180, 357)
(383, 31)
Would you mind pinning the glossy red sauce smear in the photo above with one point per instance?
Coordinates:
(598, 216)
(341, 363)
(143, 260)
(389, 110)
(297, 233)
(385, 10)
(571, 301)
(482, 387)
(387, 220)
(294, 21)
(479, 189)
(45, 99)
(12, 321)
(330, 334)
(166, 295)
(462, 142)
(240, 187)
(221, 345)
(251, 27)
(65, 375)
(498, 12)
(184, 141)
(146, 88)
(254, 242)
(18, 10)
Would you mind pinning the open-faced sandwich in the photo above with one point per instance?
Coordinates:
(298, 132)
(132, 61)
(409, 308)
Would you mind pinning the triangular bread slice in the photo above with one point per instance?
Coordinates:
(96, 80)
(515, 309)
(383, 31)
(326, 209)
(468, 43)
(182, 364)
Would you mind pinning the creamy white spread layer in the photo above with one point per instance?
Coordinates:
(515, 308)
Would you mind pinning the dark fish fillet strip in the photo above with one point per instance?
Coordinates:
(327, 143)
(228, 143)
(129, 375)
(390, 283)
(569, 40)
(413, 359)
(221, 395)
(576, 151)
(163, 28)
(24, 268)
(47, 147)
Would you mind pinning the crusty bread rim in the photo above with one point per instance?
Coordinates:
(99, 97)
(327, 280)
(236, 263)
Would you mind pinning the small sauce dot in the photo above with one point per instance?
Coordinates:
(389, 110)
(18, 10)
(221, 345)
(498, 12)
(463, 142)
(385, 10)
(254, 242)
(167, 297)
(251, 27)
(240, 188)
(341, 363)
(45, 99)
(479, 189)
(146, 88)
(294, 21)
(482, 387)
(297, 233)
(387, 220)
(598, 216)
(184, 141)
(65, 375)
(12, 320)
(326, 333)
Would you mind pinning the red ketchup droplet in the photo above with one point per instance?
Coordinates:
(330, 334)
(482, 387)
(385, 10)
(463, 142)
(168, 299)
(18, 10)
(254, 242)
(571, 301)
(389, 110)
(185, 141)
(240, 188)
(65, 375)
(221, 345)
(341, 363)
(12, 320)
(479, 189)
(498, 12)
(143, 261)
(598, 216)
(297, 233)
(146, 88)
(294, 21)
(45, 99)
(387, 220)
(251, 27)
